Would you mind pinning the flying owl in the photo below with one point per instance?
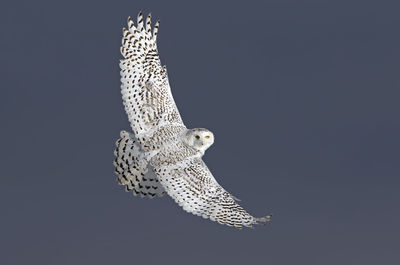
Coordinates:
(161, 142)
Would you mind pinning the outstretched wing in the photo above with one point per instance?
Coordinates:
(190, 183)
(145, 88)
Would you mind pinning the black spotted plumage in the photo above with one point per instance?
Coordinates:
(160, 140)
(131, 167)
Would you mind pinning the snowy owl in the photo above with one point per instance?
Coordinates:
(161, 142)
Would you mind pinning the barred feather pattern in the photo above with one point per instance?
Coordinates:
(160, 134)
(131, 166)
(145, 87)
(190, 183)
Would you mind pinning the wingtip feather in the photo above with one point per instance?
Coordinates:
(263, 220)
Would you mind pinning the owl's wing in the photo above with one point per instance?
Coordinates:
(145, 88)
(190, 183)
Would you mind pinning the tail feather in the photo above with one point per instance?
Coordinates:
(131, 167)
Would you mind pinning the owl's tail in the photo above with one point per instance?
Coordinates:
(131, 168)
(138, 41)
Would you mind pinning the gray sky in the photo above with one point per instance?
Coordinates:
(313, 85)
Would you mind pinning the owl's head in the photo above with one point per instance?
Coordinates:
(199, 138)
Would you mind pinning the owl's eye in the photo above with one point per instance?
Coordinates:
(207, 136)
(197, 137)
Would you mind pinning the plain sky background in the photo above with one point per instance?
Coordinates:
(302, 96)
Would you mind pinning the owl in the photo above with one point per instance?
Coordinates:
(161, 155)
